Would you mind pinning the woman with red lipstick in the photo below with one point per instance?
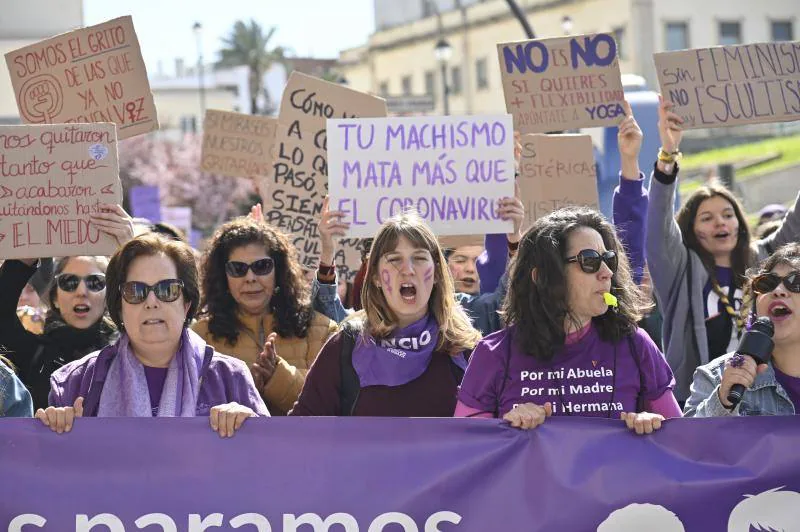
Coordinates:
(76, 322)
(403, 355)
(772, 389)
(698, 259)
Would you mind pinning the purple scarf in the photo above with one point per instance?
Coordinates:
(398, 359)
(125, 392)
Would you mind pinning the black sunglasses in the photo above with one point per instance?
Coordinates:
(589, 260)
(68, 282)
(767, 282)
(135, 292)
(259, 267)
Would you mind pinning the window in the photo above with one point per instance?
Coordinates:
(730, 33)
(406, 83)
(619, 36)
(384, 89)
(456, 83)
(482, 73)
(677, 36)
(782, 30)
(430, 82)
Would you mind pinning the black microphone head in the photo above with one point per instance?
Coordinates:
(764, 325)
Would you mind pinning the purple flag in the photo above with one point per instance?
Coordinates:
(145, 203)
(393, 475)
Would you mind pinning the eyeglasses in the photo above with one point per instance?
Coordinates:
(589, 260)
(135, 292)
(259, 267)
(68, 282)
(767, 282)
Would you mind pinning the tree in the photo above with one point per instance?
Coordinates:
(248, 45)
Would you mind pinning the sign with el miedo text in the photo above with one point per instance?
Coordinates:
(93, 74)
(571, 474)
(562, 83)
(450, 170)
(52, 178)
(731, 85)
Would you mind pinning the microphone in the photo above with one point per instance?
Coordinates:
(757, 343)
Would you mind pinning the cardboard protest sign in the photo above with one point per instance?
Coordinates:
(145, 202)
(457, 241)
(51, 179)
(94, 74)
(562, 83)
(730, 85)
(556, 171)
(294, 190)
(238, 145)
(452, 170)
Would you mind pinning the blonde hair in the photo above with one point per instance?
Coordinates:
(456, 333)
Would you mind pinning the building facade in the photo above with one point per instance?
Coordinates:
(399, 58)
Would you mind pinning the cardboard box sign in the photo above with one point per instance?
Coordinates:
(562, 83)
(238, 145)
(94, 74)
(731, 85)
(52, 178)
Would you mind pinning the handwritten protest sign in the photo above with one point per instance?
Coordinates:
(556, 171)
(457, 241)
(238, 145)
(294, 190)
(562, 83)
(94, 74)
(51, 179)
(730, 85)
(450, 170)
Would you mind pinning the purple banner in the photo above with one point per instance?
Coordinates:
(400, 475)
(145, 203)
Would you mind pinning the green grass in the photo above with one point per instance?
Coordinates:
(788, 147)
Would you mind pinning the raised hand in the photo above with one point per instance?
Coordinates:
(114, 221)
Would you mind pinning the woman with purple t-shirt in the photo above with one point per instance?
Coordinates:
(571, 348)
(771, 389)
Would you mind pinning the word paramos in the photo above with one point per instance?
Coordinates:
(308, 522)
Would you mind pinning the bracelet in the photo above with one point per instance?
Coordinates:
(668, 157)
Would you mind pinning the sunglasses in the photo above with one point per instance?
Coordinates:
(259, 267)
(589, 260)
(767, 282)
(135, 292)
(68, 282)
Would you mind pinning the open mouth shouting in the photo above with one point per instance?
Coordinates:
(468, 283)
(778, 311)
(408, 292)
(722, 236)
(81, 310)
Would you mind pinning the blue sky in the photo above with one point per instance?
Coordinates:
(318, 28)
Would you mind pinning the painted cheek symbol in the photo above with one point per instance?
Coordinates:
(429, 275)
(386, 279)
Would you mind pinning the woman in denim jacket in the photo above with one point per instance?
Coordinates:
(772, 389)
(15, 400)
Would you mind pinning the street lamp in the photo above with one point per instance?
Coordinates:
(567, 24)
(443, 52)
(197, 28)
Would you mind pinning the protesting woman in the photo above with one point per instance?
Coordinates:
(256, 307)
(158, 367)
(697, 262)
(570, 347)
(403, 355)
(15, 400)
(771, 389)
(76, 323)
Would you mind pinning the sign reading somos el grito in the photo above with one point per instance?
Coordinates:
(562, 83)
(450, 170)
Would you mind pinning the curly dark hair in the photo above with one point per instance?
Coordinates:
(539, 309)
(290, 303)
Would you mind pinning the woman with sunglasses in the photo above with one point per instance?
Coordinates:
(403, 354)
(76, 322)
(771, 389)
(571, 348)
(256, 307)
(697, 260)
(158, 367)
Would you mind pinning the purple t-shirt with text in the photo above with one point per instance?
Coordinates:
(590, 377)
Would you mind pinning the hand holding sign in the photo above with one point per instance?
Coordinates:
(513, 210)
(670, 126)
(629, 140)
(113, 221)
(330, 226)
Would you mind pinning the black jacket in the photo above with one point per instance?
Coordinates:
(38, 356)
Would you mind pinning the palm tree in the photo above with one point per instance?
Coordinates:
(248, 44)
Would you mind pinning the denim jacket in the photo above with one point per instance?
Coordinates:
(15, 400)
(765, 398)
(325, 300)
